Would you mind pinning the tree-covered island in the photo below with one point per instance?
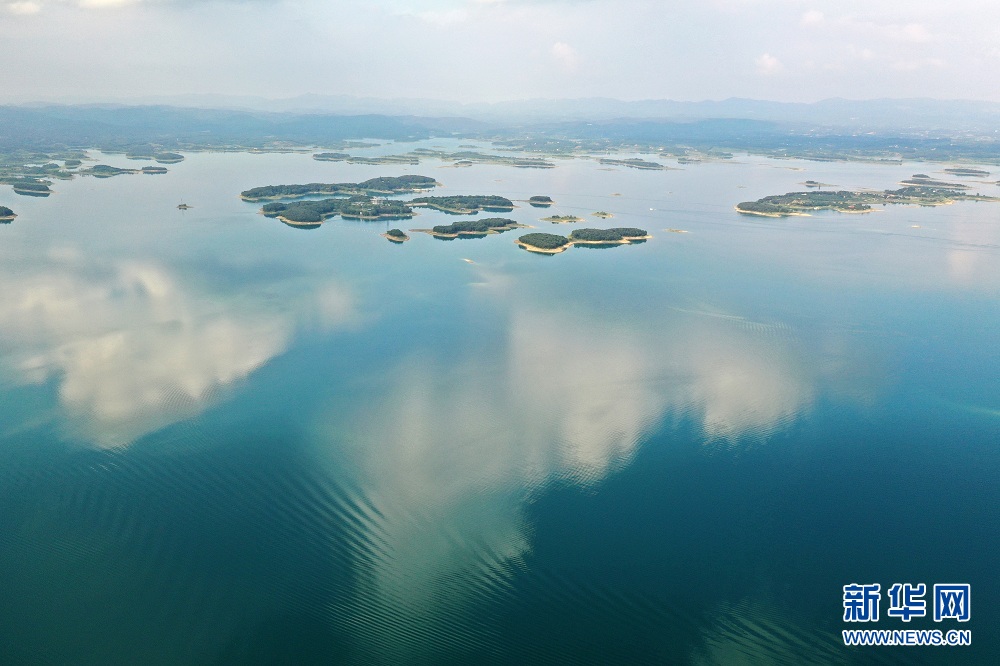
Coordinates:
(395, 236)
(562, 219)
(543, 243)
(635, 164)
(32, 188)
(473, 228)
(106, 171)
(466, 204)
(6, 214)
(553, 243)
(358, 207)
(541, 201)
(374, 186)
(967, 171)
(616, 236)
(860, 201)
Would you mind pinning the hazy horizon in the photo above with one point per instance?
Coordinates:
(488, 51)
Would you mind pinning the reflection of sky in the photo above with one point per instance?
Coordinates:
(456, 447)
(132, 348)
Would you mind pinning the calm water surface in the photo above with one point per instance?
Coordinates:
(227, 441)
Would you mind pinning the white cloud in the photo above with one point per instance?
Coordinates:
(566, 55)
(911, 33)
(106, 4)
(23, 8)
(812, 18)
(768, 64)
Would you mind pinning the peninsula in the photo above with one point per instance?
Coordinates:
(373, 186)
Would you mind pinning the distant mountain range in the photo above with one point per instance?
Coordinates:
(909, 115)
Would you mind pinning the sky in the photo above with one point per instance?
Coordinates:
(497, 50)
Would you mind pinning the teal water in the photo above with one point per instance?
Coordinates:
(228, 441)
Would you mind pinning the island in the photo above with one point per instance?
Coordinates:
(396, 236)
(358, 207)
(350, 159)
(6, 214)
(151, 153)
(603, 214)
(32, 188)
(465, 204)
(468, 158)
(106, 171)
(923, 180)
(554, 244)
(859, 201)
(541, 201)
(815, 183)
(636, 164)
(373, 186)
(184, 206)
(331, 157)
(473, 228)
(562, 219)
(543, 243)
(617, 236)
(966, 171)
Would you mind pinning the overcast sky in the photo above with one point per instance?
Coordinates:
(493, 50)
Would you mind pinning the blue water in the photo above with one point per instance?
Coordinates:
(225, 440)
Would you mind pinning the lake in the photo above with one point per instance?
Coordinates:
(226, 440)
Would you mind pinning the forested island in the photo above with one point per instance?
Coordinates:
(603, 214)
(636, 164)
(373, 186)
(151, 153)
(861, 201)
(32, 188)
(562, 219)
(6, 214)
(967, 171)
(357, 207)
(473, 228)
(541, 201)
(465, 204)
(105, 171)
(543, 243)
(468, 158)
(616, 236)
(395, 236)
(350, 159)
(553, 243)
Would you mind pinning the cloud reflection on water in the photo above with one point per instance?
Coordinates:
(133, 348)
(457, 447)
